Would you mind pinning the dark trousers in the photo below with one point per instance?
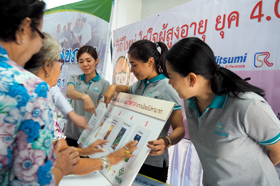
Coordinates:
(157, 173)
(71, 142)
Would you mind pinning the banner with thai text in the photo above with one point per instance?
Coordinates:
(75, 25)
(244, 36)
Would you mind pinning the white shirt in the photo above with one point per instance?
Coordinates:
(85, 33)
(59, 37)
(60, 101)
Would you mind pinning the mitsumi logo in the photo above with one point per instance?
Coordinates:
(261, 58)
(232, 61)
(219, 128)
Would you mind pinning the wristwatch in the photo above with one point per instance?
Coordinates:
(169, 142)
(105, 162)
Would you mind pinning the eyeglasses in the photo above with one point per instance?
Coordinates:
(40, 33)
(60, 61)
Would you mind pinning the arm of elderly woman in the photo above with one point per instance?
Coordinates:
(91, 149)
(66, 109)
(89, 165)
(66, 161)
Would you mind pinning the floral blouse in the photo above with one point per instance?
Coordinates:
(26, 127)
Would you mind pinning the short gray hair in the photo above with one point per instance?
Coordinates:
(50, 50)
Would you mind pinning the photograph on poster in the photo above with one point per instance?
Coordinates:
(116, 142)
(87, 134)
(117, 138)
(141, 135)
(94, 119)
(73, 29)
(108, 132)
(106, 116)
(110, 127)
(136, 138)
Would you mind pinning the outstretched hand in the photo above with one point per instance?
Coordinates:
(94, 147)
(121, 154)
(79, 121)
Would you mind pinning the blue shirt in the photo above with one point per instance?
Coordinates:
(26, 126)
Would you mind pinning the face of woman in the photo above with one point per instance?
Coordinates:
(179, 83)
(31, 41)
(54, 73)
(87, 63)
(138, 68)
(36, 39)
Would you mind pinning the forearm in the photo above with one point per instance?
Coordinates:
(122, 88)
(57, 173)
(274, 156)
(75, 95)
(84, 151)
(87, 166)
(81, 151)
(177, 135)
(177, 126)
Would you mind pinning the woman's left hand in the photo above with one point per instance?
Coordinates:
(157, 147)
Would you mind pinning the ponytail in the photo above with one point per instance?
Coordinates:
(161, 68)
(193, 55)
(226, 81)
(144, 49)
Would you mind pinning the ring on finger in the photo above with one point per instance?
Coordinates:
(127, 152)
(126, 148)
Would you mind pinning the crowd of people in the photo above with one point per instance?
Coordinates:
(232, 127)
(75, 37)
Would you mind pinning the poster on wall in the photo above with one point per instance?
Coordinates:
(128, 117)
(244, 36)
(75, 25)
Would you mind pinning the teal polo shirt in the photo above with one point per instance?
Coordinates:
(158, 88)
(229, 137)
(95, 88)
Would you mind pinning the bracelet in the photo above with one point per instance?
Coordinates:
(170, 143)
(105, 162)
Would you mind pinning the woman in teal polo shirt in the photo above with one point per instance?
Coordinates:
(232, 127)
(147, 65)
(85, 90)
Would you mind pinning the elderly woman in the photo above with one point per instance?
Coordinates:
(46, 65)
(26, 128)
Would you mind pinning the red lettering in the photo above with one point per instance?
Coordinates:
(259, 15)
(276, 8)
